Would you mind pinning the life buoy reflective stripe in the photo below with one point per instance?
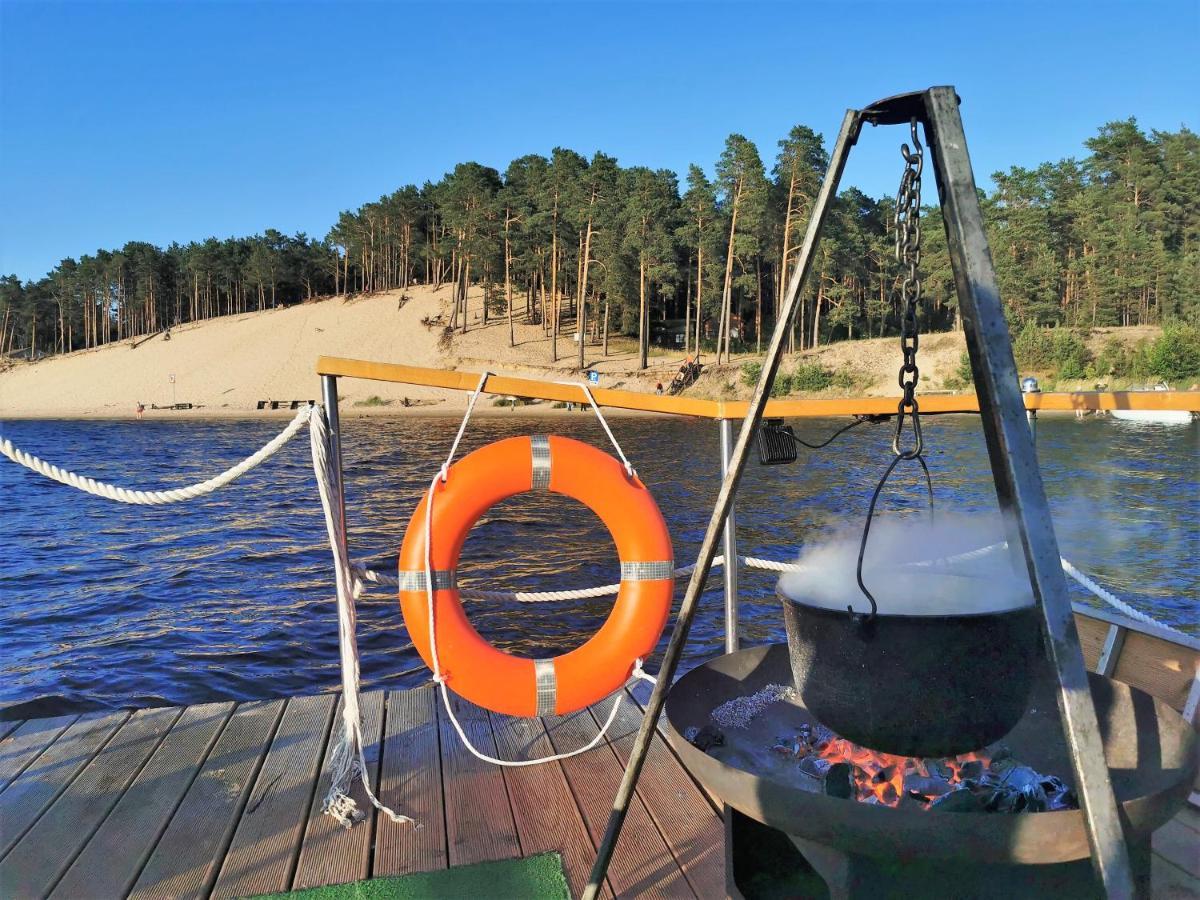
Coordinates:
(515, 685)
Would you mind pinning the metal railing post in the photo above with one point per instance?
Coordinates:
(1030, 386)
(729, 546)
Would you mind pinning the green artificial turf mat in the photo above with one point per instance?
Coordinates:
(532, 878)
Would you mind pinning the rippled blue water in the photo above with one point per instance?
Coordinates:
(104, 605)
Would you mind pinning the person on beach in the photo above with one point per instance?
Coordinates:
(140, 409)
(658, 388)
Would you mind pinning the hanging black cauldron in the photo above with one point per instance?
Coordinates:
(928, 674)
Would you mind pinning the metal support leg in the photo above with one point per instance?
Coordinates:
(729, 545)
(737, 462)
(1019, 482)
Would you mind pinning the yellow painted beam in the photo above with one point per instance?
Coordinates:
(721, 409)
(516, 387)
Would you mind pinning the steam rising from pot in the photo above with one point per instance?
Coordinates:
(914, 566)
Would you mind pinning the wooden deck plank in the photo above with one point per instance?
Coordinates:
(1180, 845)
(1169, 882)
(262, 856)
(34, 865)
(1157, 667)
(113, 858)
(188, 856)
(479, 819)
(23, 745)
(687, 821)
(1092, 633)
(642, 865)
(329, 853)
(48, 776)
(542, 803)
(410, 782)
(8, 726)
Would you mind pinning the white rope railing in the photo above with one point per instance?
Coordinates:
(364, 577)
(155, 498)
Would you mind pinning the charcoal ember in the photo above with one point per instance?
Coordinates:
(1058, 795)
(961, 799)
(928, 786)
(971, 771)
(1028, 798)
(815, 766)
(705, 738)
(938, 768)
(839, 781)
(1016, 778)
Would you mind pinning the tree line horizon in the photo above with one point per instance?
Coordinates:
(590, 247)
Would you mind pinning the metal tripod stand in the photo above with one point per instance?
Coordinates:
(1010, 451)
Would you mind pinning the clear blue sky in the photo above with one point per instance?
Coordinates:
(177, 121)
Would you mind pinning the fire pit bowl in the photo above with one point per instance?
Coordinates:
(1151, 753)
(943, 669)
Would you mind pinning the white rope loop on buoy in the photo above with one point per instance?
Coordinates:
(155, 498)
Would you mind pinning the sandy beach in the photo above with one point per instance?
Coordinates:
(226, 366)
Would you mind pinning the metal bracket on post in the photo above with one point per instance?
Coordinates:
(1018, 480)
(729, 546)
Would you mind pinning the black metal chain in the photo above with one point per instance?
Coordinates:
(908, 253)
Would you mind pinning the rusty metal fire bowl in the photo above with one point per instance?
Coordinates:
(1150, 750)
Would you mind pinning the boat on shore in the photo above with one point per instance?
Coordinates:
(1154, 416)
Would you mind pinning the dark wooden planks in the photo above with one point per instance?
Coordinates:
(1160, 668)
(479, 820)
(329, 853)
(112, 860)
(188, 856)
(1179, 845)
(542, 804)
(410, 782)
(262, 856)
(34, 865)
(23, 744)
(682, 813)
(43, 780)
(642, 865)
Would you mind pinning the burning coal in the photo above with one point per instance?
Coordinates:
(973, 782)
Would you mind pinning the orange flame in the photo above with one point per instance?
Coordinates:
(879, 777)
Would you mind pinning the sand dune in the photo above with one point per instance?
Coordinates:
(225, 366)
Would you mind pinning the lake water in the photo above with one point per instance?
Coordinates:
(104, 605)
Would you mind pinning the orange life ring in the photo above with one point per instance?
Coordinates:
(515, 685)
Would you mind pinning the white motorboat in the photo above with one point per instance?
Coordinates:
(1154, 416)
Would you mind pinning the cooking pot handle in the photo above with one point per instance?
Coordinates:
(867, 620)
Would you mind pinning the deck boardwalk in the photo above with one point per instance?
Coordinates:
(224, 800)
